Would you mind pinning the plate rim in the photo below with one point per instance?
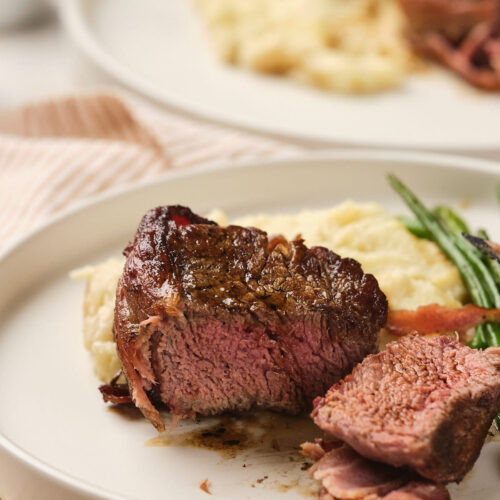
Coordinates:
(462, 162)
(73, 20)
(446, 161)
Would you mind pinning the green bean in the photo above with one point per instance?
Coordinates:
(481, 286)
(482, 233)
(479, 340)
(456, 225)
(453, 221)
(445, 240)
(414, 226)
(476, 260)
(492, 264)
(489, 331)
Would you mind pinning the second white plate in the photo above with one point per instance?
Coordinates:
(159, 48)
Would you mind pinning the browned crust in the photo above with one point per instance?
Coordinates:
(228, 270)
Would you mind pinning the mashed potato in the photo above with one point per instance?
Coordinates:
(98, 312)
(343, 45)
(410, 271)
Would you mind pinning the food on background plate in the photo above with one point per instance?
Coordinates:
(461, 34)
(211, 319)
(360, 45)
(355, 46)
(423, 403)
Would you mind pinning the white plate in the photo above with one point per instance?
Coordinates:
(159, 48)
(58, 439)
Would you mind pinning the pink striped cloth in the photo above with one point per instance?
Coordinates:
(56, 152)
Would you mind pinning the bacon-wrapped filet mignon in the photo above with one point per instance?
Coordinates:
(211, 319)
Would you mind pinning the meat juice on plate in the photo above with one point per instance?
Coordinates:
(266, 444)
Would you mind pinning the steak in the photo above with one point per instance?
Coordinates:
(211, 319)
(346, 474)
(425, 403)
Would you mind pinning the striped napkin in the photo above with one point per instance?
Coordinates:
(62, 150)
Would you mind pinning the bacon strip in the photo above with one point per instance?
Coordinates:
(439, 319)
(117, 394)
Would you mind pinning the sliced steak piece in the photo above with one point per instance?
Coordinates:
(344, 474)
(211, 319)
(418, 490)
(426, 403)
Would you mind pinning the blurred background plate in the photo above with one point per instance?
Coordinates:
(58, 440)
(159, 48)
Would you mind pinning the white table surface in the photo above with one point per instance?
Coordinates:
(40, 60)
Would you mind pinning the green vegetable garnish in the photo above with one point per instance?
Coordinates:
(414, 226)
(476, 275)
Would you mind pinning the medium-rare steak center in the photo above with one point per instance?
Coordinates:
(211, 319)
(425, 403)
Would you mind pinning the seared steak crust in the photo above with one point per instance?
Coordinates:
(423, 403)
(211, 319)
